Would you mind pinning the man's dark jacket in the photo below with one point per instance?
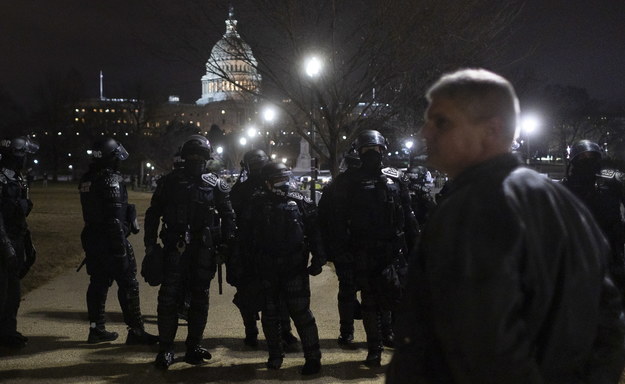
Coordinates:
(509, 286)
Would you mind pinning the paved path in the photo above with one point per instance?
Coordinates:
(55, 320)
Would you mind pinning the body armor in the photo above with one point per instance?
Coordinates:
(196, 217)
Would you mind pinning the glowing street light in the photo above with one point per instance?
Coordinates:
(529, 124)
(149, 165)
(269, 114)
(243, 141)
(220, 150)
(313, 66)
(252, 131)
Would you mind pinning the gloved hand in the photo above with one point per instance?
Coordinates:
(314, 269)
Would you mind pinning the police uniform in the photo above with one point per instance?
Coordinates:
(604, 198)
(16, 252)
(373, 228)
(197, 216)
(109, 219)
(279, 231)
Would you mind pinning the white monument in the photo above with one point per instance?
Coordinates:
(303, 160)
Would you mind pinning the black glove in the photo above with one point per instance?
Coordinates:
(153, 265)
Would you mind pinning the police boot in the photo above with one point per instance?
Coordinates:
(311, 367)
(275, 362)
(388, 340)
(164, 359)
(137, 336)
(100, 335)
(346, 340)
(197, 355)
(15, 340)
(374, 358)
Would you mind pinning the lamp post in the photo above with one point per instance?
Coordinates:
(313, 67)
(409, 144)
(529, 124)
(269, 115)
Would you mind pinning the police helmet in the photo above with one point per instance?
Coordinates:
(368, 138)
(417, 174)
(108, 149)
(18, 147)
(584, 146)
(196, 145)
(275, 171)
(255, 159)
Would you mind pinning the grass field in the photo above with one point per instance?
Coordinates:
(56, 222)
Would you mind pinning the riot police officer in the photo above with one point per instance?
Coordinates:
(373, 228)
(603, 192)
(250, 182)
(17, 253)
(421, 198)
(109, 220)
(279, 229)
(348, 304)
(197, 216)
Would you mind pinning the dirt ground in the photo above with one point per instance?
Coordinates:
(55, 223)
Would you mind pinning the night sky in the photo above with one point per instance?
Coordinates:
(573, 42)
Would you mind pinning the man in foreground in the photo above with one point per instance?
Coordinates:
(509, 284)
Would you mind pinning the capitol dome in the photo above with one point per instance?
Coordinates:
(231, 72)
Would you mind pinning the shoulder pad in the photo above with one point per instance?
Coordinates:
(211, 179)
(612, 174)
(607, 173)
(299, 196)
(223, 186)
(3, 179)
(391, 172)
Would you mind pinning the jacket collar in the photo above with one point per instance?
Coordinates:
(499, 164)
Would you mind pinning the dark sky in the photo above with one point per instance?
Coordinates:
(575, 42)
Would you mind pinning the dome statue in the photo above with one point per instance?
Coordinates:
(231, 72)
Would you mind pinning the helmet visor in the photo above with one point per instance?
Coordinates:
(120, 152)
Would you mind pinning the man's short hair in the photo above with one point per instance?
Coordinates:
(482, 95)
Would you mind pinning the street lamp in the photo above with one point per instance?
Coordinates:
(409, 144)
(313, 67)
(529, 124)
(269, 115)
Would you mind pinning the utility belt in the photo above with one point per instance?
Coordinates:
(391, 249)
(181, 239)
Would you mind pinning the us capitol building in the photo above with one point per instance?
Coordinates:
(228, 99)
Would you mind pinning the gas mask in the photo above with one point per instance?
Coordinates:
(371, 161)
(586, 169)
(195, 165)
